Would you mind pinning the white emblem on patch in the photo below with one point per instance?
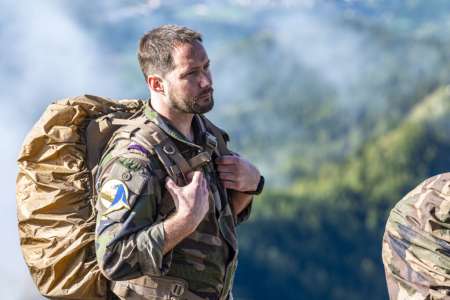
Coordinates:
(114, 196)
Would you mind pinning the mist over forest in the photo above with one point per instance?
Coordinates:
(343, 104)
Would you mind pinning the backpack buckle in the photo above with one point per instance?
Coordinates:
(169, 149)
(177, 289)
(210, 141)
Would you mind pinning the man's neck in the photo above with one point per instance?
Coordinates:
(180, 120)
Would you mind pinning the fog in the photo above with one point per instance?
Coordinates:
(45, 55)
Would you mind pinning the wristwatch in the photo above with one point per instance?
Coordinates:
(259, 188)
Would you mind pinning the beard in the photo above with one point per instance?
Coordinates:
(199, 104)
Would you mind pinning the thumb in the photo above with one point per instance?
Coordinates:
(189, 176)
(197, 176)
(171, 186)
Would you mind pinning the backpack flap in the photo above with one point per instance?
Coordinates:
(54, 197)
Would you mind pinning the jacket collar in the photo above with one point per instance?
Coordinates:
(165, 125)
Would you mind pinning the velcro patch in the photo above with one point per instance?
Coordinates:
(132, 164)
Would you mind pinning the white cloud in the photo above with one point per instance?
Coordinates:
(45, 55)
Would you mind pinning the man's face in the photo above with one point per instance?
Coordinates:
(189, 84)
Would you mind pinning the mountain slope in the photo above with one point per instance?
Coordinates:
(332, 224)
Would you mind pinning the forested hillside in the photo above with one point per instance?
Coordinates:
(326, 230)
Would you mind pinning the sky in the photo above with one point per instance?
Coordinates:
(45, 56)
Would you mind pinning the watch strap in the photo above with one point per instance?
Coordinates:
(259, 188)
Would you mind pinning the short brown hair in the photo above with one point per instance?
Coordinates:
(156, 46)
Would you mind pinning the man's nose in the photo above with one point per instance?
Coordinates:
(205, 80)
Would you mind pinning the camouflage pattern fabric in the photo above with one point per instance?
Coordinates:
(416, 243)
(132, 203)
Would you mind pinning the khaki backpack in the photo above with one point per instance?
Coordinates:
(55, 188)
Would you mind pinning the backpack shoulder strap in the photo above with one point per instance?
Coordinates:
(157, 142)
(221, 136)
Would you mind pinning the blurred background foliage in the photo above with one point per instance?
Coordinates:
(345, 106)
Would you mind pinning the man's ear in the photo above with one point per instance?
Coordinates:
(156, 84)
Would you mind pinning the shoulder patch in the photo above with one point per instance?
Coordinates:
(138, 148)
(132, 164)
(114, 196)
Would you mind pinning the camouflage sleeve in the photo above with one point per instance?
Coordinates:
(244, 214)
(129, 236)
(416, 243)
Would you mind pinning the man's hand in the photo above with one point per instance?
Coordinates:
(192, 204)
(191, 201)
(237, 173)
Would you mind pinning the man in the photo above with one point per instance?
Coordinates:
(164, 239)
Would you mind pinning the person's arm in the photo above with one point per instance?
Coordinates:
(129, 240)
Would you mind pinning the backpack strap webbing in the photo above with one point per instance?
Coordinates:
(156, 141)
(221, 136)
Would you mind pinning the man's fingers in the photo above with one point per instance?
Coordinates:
(227, 160)
(226, 168)
(171, 186)
(201, 180)
(228, 184)
(170, 183)
(204, 185)
(197, 176)
(192, 176)
(189, 176)
(227, 176)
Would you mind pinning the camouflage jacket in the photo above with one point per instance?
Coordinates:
(416, 243)
(131, 205)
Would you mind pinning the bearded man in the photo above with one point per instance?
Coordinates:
(168, 209)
